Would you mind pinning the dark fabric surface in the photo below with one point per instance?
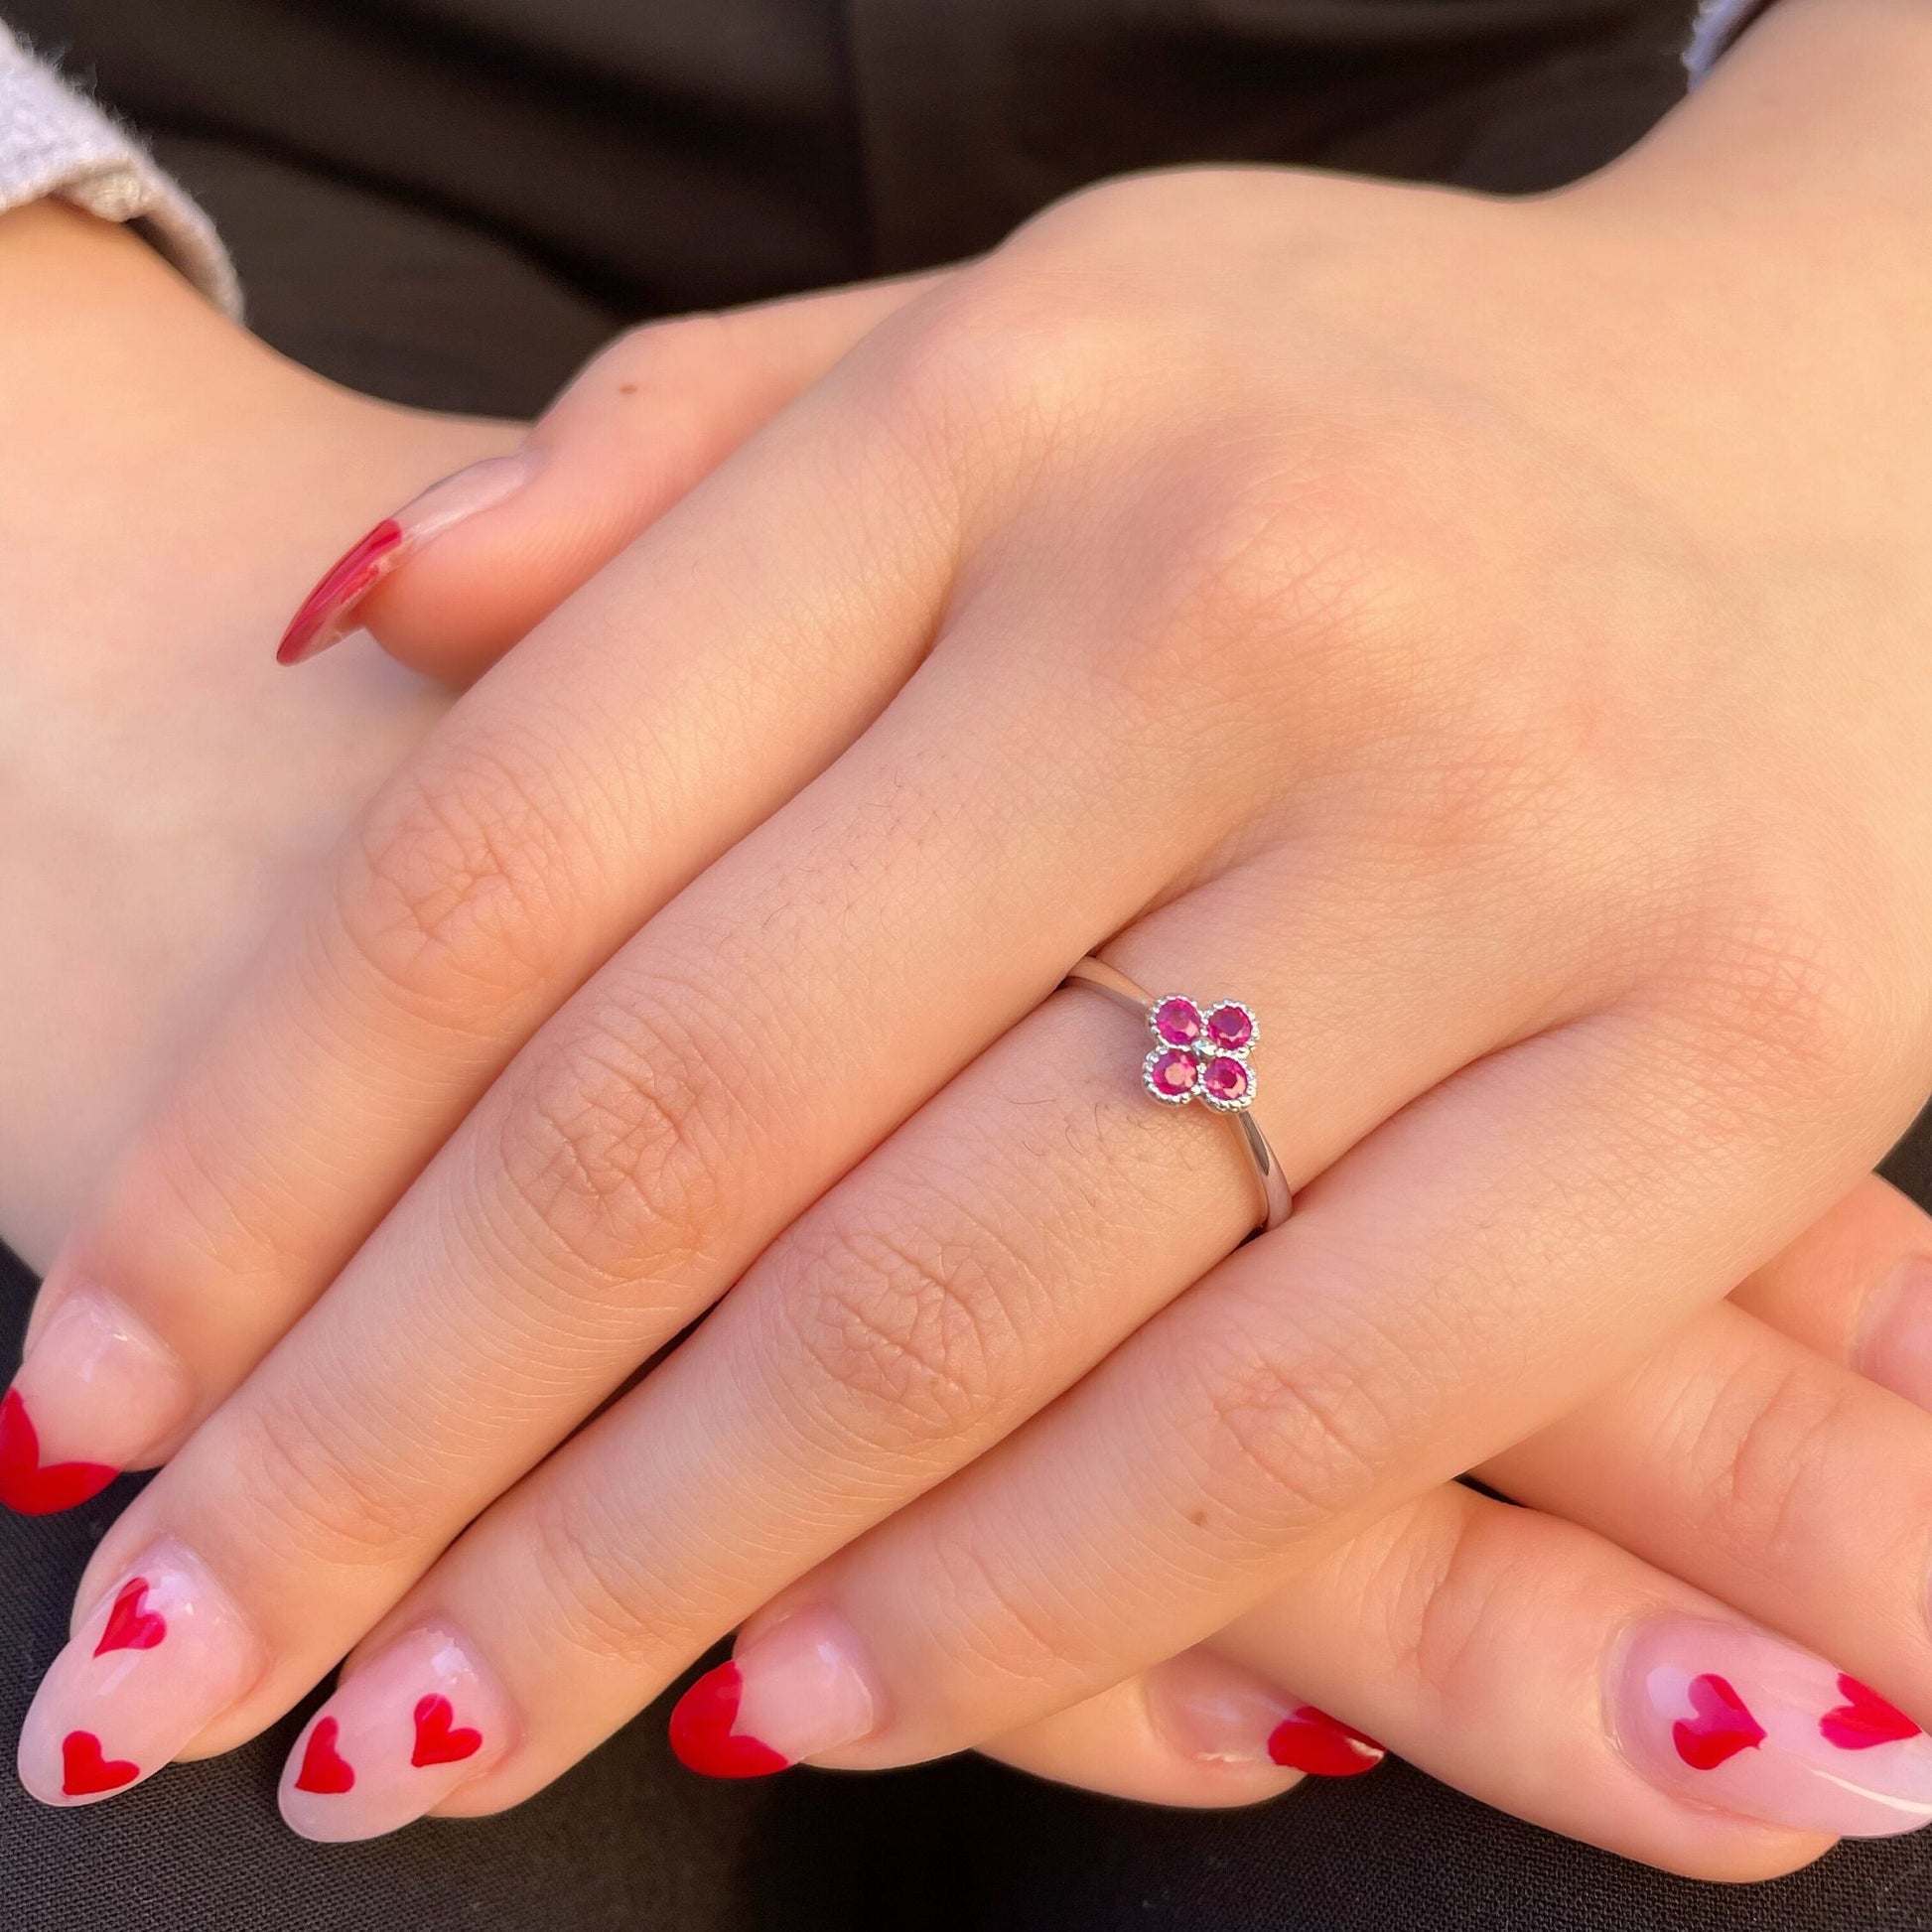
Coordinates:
(568, 165)
(449, 203)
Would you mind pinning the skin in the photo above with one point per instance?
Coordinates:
(1571, 1022)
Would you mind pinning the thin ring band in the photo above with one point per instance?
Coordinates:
(1277, 1202)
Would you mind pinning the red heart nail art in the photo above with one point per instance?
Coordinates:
(84, 1770)
(438, 1740)
(1310, 1740)
(702, 1732)
(131, 1627)
(28, 1487)
(1864, 1720)
(1722, 1727)
(323, 1767)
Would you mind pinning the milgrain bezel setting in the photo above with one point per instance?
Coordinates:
(1203, 1050)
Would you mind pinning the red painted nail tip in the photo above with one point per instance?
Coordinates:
(1719, 1726)
(131, 1625)
(322, 619)
(29, 1486)
(324, 1768)
(86, 1770)
(702, 1735)
(1864, 1720)
(1310, 1740)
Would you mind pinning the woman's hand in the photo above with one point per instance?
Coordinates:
(164, 791)
(1473, 1637)
(1449, 625)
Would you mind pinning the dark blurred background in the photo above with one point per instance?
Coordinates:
(452, 202)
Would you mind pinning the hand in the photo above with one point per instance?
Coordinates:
(1470, 1636)
(273, 780)
(165, 790)
(1570, 1008)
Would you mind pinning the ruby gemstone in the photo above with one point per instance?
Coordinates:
(1225, 1080)
(1173, 1072)
(1178, 1022)
(1232, 1027)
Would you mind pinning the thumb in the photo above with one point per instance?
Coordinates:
(496, 547)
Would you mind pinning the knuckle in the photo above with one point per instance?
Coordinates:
(595, 1594)
(615, 1147)
(913, 1338)
(995, 1621)
(1286, 1434)
(1264, 587)
(993, 365)
(1790, 1004)
(332, 1493)
(1435, 1583)
(1768, 1439)
(1457, 1586)
(229, 1212)
(460, 878)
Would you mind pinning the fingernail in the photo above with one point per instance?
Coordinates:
(328, 612)
(1895, 1347)
(98, 1393)
(1732, 1717)
(162, 1653)
(400, 1734)
(800, 1689)
(1215, 1713)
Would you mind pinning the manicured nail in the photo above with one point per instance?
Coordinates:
(1895, 1349)
(1732, 1717)
(800, 1689)
(96, 1393)
(328, 612)
(1215, 1713)
(162, 1653)
(400, 1734)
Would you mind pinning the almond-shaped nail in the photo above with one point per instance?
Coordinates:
(398, 1735)
(1735, 1719)
(1215, 1713)
(328, 612)
(1894, 1346)
(98, 1393)
(162, 1653)
(799, 1689)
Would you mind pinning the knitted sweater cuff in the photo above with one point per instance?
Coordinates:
(54, 141)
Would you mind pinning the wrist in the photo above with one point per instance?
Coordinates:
(1817, 110)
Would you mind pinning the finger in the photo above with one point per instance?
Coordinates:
(997, 1247)
(1396, 1330)
(1753, 1467)
(1822, 1284)
(425, 1382)
(1530, 1664)
(495, 548)
(1858, 1289)
(1197, 1732)
(562, 802)
(628, 1167)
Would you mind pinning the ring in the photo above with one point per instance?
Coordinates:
(1200, 1053)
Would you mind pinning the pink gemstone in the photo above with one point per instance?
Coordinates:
(1178, 1022)
(1173, 1072)
(1225, 1080)
(1231, 1027)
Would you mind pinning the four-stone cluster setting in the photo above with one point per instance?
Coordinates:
(1202, 1053)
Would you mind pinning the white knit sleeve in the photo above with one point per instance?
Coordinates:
(54, 141)
(1719, 23)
